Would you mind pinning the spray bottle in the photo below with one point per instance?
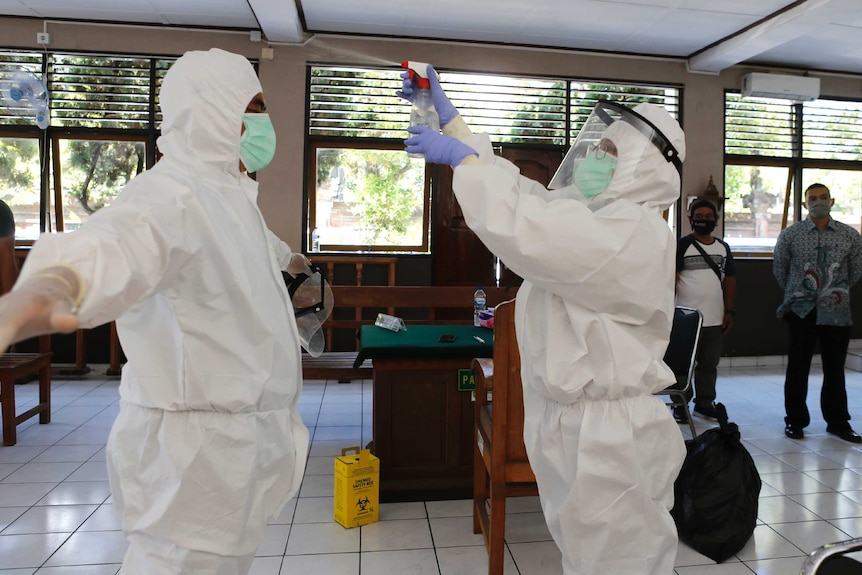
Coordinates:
(423, 112)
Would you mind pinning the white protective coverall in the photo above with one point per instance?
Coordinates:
(208, 445)
(593, 319)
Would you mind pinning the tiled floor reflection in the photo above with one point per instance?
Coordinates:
(56, 516)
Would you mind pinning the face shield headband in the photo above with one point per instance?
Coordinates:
(301, 279)
(312, 304)
(590, 148)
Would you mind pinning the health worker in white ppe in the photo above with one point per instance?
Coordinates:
(592, 319)
(208, 445)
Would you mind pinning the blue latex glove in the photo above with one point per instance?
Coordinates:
(444, 107)
(407, 90)
(437, 148)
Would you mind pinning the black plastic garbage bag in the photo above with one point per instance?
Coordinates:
(715, 495)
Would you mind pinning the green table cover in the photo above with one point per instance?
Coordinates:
(422, 341)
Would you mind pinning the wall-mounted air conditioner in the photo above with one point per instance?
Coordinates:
(796, 88)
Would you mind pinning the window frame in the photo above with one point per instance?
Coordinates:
(796, 162)
(313, 144)
(552, 110)
(111, 101)
(100, 135)
(31, 133)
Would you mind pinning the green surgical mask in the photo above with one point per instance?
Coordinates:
(257, 146)
(593, 175)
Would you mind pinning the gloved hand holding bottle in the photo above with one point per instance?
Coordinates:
(444, 107)
(437, 148)
(46, 302)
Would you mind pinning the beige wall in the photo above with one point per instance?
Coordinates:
(283, 79)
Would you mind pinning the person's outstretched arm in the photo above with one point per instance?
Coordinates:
(45, 302)
(123, 254)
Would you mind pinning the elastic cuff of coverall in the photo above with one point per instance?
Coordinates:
(63, 278)
(471, 160)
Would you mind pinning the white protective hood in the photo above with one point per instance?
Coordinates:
(208, 444)
(641, 165)
(202, 108)
(593, 319)
(650, 180)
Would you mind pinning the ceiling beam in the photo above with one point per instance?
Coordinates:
(278, 20)
(776, 29)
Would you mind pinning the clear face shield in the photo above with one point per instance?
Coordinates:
(312, 303)
(611, 134)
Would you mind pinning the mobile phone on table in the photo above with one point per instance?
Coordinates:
(447, 338)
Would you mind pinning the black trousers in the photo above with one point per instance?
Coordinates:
(804, 334)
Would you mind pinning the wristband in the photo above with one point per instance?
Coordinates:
(76, 292)
(730, 311)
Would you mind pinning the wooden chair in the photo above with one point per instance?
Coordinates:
(13, 366)
(500, 465)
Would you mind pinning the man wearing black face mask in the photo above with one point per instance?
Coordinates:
(816, 262)
(706, 280)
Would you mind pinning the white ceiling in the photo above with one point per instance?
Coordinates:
(710, 35)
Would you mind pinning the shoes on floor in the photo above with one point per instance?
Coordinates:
(679, 414)
(793, 432)
(707, 410)
(845, 433)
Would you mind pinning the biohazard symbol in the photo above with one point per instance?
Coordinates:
(362, 504)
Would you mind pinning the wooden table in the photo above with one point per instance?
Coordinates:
(422, 424)
(13, 366)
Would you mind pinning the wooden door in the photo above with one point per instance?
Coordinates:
(460, 258)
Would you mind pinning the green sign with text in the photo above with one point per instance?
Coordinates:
(466, 380)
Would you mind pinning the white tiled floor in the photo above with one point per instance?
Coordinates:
(56, 516)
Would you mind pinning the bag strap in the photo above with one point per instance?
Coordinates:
(709, 260)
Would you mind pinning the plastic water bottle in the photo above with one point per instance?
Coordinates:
(423, 112)
(315, 240)
(478, 304)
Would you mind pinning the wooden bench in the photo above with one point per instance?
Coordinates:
(359, 265)
(383, 266)
(356, 306)
(335, 365)
(13, 366)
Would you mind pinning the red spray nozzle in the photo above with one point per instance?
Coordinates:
(418, 72)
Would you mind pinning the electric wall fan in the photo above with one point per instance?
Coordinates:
(25, 95)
